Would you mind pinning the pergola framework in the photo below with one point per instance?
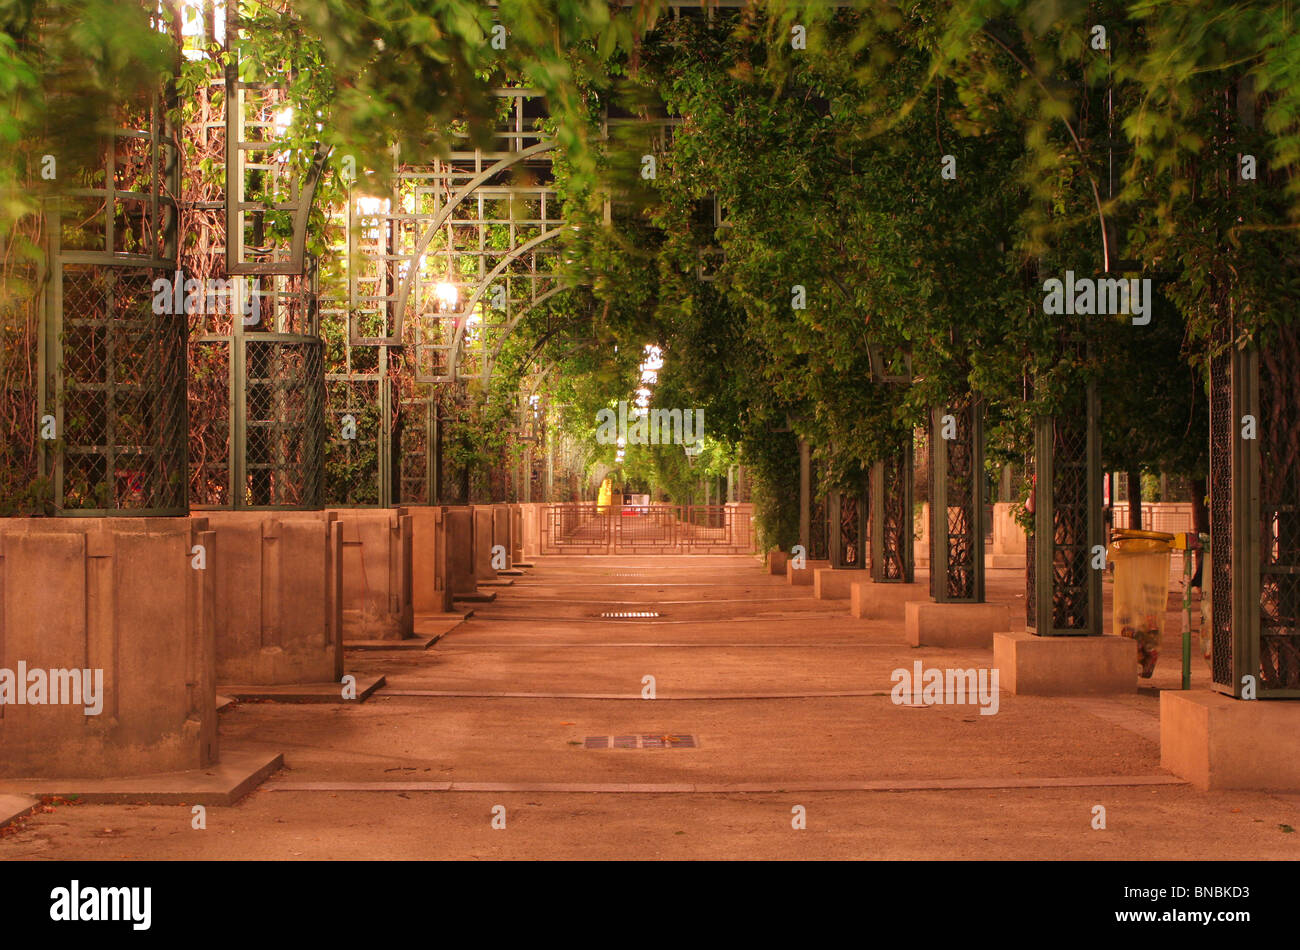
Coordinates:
(891, 515)
(440, 271)
(112, 363)
(891, 482)
(847, 515)
(256, 357)
(1063, 589)
(956, 447)
(1254, 577)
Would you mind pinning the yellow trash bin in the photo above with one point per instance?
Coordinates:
(1141, 560)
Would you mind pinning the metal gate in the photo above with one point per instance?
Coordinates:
(587, 528)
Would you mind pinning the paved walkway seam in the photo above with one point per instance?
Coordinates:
(764, 788)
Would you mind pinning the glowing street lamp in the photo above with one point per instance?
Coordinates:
(282, 120)
(369, 206)
(447, 295)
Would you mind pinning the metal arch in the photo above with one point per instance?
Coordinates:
(509, 328)
(536, 379)
(539, 377)
(435, 225)
(468, 309)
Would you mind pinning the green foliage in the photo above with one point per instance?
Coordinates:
(826, 165)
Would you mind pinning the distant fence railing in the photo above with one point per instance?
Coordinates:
(587, 528)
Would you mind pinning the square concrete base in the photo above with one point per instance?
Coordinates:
(13, 807)
(1006, 562)
(1063, 666)
(499, 582)
(871, 601)
(776, 562)
(237, 774)
(1215, 741)
(439, 625)
(928, 624)
(803, 577)
(524, 564)
(511, 572)
(421, 641)
(834, 584)
(305, 692)
(478, 597)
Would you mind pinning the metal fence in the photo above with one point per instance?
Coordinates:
(586, 528)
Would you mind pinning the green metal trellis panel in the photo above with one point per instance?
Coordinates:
(251, 106)
(1067, 522)
(957, 505)
(891, 516)
(1254, 490)
(849, 535)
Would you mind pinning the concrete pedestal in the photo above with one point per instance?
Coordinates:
(928, 624)
(13, 807)
(502, 530)
(365, 687)
(1006, 562)
(835, 584)
(1009, 544)
(921, 534)
(430, 587)
(376, 573)
(1064, 666)
(218, 784)
(459, 522)
(516, 535)
(119, 605)
(804, 576)
(484, 521)
(532, 530)
(278, 604)
(871, 601)
(776, 562)
(1215, 741)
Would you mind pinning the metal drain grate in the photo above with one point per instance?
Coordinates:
(640, 742)
(630, 614)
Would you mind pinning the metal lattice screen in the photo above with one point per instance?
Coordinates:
(210, 431)
(414, 440)
(268, 184)
(956, 457)
(257, 400)
(352, 464)
(1279, 497)
(120, 394)
(1031, 559)
(891, 515)
(849, 515)
(1255, 518)
(1223, 456)
(1067, 590)
(284, 419)
(819, 533)
(114, 357)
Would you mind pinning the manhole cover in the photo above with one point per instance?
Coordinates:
(640, 742)
(630, 614)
